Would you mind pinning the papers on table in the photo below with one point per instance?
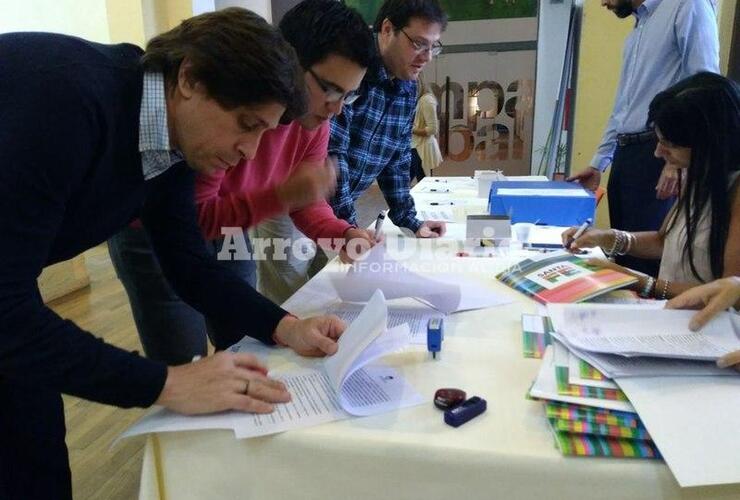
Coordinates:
(415, 317)
(635, 331)
(440, 214)
(694, 422)
(347, 383)
(445, 293)
(615, 366)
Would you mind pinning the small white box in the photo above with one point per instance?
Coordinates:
(488, 230)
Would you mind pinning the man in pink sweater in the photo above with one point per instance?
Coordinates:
(288, 175)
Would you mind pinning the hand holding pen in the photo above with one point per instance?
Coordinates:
(379, 226)
(571, 235)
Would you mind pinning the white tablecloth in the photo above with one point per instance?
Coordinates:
(508, 452)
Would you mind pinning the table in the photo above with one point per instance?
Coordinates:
(508, 452)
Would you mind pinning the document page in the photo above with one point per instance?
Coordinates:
(444, 215)
(314, 402)
(636, 331)
(416, 318)
(615, 366)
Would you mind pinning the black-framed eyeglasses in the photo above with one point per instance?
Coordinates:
(419, 47)
(332, 92)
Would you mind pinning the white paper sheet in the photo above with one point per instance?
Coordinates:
(615, 366)
(314, 402)
(313, 297)
(439, 214)
(446, 293)
(370, 323)
(637, 331)
(163, 420)
(415, 317)
(694, 423)
(545, 387)
(347, 383)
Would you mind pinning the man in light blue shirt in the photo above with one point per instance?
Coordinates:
(672, 39)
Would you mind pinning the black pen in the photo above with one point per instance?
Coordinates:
(438, 203)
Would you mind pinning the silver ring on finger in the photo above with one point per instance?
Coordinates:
(246, 389)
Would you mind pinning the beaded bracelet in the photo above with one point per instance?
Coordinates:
(664, 293)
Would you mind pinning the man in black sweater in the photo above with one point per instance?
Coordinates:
(91, 137)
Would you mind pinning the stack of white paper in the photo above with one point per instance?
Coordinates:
(345, 384)
(636, 331)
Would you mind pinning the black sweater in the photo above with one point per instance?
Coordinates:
(71, 177)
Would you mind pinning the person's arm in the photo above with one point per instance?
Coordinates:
(318, 221)
(41, 167)
(393, 181)
(341, 202)
(645, 244)
(169, 217)
(217, 210)
(590, 177)
(697, 37)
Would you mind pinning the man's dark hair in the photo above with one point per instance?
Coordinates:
(318, 28)
(400, 12)
(238, 57)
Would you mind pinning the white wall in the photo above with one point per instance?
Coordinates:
(261, 7)
(552, 37)
(84, 18)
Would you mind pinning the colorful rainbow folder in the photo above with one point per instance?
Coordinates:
(583, 445)
(562, 277)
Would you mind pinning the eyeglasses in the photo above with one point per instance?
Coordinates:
(332, 92)
(419, 47)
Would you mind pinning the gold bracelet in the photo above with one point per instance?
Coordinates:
(664, 293)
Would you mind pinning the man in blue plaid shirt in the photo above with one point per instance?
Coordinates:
(371, 139)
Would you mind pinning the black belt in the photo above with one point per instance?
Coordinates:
(638, 138)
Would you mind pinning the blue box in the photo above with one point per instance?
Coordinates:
(552, 203)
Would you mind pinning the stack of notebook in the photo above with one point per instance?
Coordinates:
(587, 412)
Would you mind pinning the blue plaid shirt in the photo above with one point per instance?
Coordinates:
(372, 140)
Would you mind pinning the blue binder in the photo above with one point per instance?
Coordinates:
(542, 202)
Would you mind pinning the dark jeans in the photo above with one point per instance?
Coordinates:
(170, 330)
(632, 202)
(416, 172)
(33, 456)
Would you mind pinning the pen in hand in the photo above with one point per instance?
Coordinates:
(379, 225)
(579, 233)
